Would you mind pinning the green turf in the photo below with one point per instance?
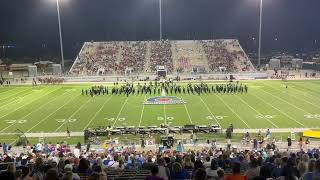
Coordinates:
(268, 104)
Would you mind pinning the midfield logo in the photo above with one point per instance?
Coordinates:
(163, 100)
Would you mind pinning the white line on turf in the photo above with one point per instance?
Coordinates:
(188, 113)
(125, 102)
(165, 114)
(3, 92)
(74, 113)
(314, 105)
(233, 111)
(142, 112)
(97, 112)
(305, 94)
(34, 110)
(15, 100)
(286, 102)
(66, 102)
(214, 117)
(28, 103)
(257, 112)
(14, 94)
(279, 110)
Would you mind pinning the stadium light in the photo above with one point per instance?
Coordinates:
(60, 36)
(260, 27)
(160, 18)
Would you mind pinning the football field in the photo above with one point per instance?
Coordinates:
(268, 104)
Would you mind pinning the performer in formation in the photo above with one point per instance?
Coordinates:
(167, 88)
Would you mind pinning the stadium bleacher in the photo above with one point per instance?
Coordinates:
(61, 162)
(225, 55)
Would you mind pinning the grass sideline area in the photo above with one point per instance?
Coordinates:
(128, 139)
(53, 108)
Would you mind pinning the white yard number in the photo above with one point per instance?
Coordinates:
(15, 121)
(160, 118)
(216, 117)
(109, 119)
(312, 116)
(264, 116)
(113, 119)
(66, 120)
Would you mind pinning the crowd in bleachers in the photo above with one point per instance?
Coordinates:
(58, 161)
(133, 57)
(97, 56)
(218, 56)
(226, 56)
(120, 57)
(161, 54)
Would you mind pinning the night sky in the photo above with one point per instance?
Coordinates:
(32, 25)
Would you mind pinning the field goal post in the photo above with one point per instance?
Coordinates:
(161, 71)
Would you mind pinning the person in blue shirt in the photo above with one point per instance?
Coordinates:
(178, 173)
(5, 148)
(315, 174)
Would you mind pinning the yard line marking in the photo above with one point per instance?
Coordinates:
(125, 102)
(14, 94)
(210, 111)
(97, 112)
(1, 93)
(310, 89)
(14, 100)
(257, 112)
(279, 110)
(304, 93)
(52, 113)
(297, 98)
(29, 103)
(188, 113)
(165, 114)
(73, 114)
(233, 111)
(142, 112)
(287, 102)
(35, 110)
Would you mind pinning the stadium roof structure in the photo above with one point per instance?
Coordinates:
(43, 63)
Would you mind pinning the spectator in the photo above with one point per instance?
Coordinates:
(154, 174)
(149, 164)
(5, 148)
(276, 172)
(287, 174)
(254, 169)
(177, 172)
(84, 167)
(200, 174)
(302, 167)
(188, 163)
(25, 173)
(314, 171)
(68, 174)
(220, 174)
(212, 172)
(52, 174)
(235, 173)
(164, 171)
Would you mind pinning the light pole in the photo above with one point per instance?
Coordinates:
(260, 27)
(160, 19)
(60, 35)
